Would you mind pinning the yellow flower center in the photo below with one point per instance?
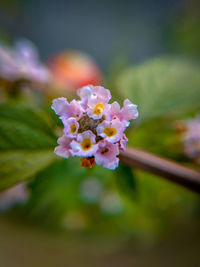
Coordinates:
(86, 144)
(73, 128)
(110, 131)
(98, 109)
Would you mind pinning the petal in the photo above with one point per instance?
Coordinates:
(68, 124)
(75, 108)
(106, 152)
(63, 150)
(60, 105)
(111, 165)
(102, 93)
(129, 110)
(114, 111)
(123, 141)
(85, 92)
(65, 109)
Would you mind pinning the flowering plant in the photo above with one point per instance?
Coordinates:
(93, 128)
(22, 63)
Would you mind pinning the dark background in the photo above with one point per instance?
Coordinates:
(135, 29)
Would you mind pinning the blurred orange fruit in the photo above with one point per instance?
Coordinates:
(73, 69)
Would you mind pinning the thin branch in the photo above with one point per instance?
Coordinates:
(170, 170)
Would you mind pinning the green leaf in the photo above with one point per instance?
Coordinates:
(26, 143)
(162, 86)
(55, 191)
(125, 181)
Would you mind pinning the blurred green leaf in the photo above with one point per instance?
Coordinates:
(164, 140)
(125, 181)
(162, 86)
(55, 191)
(26, 143)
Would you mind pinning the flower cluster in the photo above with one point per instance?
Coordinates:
(93, 128)
(22, 63)
(191, 138)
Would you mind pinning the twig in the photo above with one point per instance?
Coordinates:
(170, 170)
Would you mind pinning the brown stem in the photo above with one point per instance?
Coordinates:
(170, 170)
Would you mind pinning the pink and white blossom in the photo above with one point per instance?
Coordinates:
(22, 63)
(101, 93)
(106, 155)
(97, 107)
(65, 109)
(93, 128)
(85, 146)
(71, 127)
(111, 131)
(129, 110)
(63, 150)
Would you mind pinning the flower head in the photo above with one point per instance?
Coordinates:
(93, 128)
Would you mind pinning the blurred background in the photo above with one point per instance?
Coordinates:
(54, 212)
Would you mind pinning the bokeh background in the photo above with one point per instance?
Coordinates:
(65, 215)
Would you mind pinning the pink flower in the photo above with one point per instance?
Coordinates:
(101, 93)
(22, 62)
(93, 92)
(106, 155)
(97, 107)
(97, 101)
(114, 111)
(85, 92)
(111, 131)
(71, 127)
(65, 109)
(63, 150)
(85, 146)
(94, 127)
(129, 110)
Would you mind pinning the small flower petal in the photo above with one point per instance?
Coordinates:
(102, 93)
(123, 141)
(85, 92)
(63, 150)
(129, 110)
